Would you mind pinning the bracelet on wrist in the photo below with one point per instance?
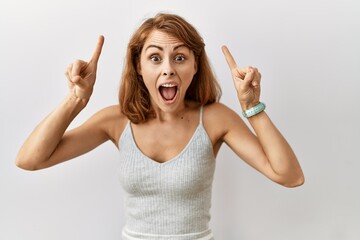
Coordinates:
(258, 108)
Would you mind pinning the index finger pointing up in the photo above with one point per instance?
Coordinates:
(97, 51)
(229, 58)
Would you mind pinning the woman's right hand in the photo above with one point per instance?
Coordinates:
(81, 75)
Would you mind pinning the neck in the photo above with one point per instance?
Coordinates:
(170, 115)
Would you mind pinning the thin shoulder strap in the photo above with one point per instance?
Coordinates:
(201, 114)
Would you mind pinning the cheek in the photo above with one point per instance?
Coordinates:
(148, 74)
(149, 81)
(188, 75)
(148, 84)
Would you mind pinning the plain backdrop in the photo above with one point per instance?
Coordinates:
(308, 52)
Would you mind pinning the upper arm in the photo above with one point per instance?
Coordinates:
(245, 144)
(96, 130)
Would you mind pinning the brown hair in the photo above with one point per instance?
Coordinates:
(134, 97)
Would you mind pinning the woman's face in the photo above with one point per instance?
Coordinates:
(167, 67)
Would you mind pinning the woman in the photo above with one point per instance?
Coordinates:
(168, 127)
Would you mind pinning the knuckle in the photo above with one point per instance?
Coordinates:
(78, 63)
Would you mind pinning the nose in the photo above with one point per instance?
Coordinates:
(168, 73)
(168, 69)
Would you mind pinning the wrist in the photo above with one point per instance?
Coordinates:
(246, 105)
(254, 110)
(76, 102)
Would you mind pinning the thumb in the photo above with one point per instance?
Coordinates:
(77, 67)
(249, 77)
(78, 81)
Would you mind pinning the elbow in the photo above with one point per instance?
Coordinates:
(296, 182)
(25, 164)
(290, 180)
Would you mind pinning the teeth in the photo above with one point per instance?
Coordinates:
(168, 85)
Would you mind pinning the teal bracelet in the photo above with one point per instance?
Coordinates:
(258, 108)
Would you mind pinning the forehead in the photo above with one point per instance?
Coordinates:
(160, 38)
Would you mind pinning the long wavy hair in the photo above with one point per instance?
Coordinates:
(134, 97)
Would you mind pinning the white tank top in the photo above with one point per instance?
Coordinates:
(169, 200)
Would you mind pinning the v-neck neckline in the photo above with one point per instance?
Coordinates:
(172, 159)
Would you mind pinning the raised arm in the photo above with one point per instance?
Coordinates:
(48, 144)
(267, 151)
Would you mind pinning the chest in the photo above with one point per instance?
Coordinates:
(189, 172)
(163, 143)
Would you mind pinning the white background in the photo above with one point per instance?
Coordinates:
(308, 52)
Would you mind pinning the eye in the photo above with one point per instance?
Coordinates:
(179, 58)
(155, 58)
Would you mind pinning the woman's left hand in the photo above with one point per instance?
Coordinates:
(246, 81)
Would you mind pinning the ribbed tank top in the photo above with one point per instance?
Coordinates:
(169, 200)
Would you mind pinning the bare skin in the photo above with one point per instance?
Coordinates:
(164, 60)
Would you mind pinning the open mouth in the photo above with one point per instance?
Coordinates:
(168, 91)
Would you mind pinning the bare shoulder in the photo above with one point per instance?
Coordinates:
(111, 120)
(218, 119)
(110, 112)
(218, 112)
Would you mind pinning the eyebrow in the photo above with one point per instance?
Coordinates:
(160, 48)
